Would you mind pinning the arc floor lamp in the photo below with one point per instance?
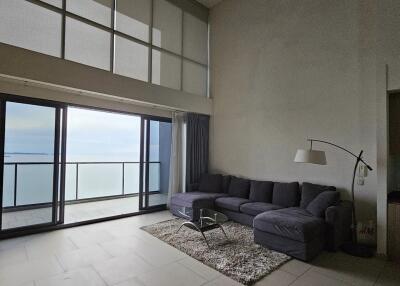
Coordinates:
(318, 157)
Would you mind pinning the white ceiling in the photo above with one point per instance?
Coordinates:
(209, 3)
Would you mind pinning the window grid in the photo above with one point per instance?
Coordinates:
(115, 32)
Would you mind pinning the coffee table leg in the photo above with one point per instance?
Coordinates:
(202, 233)
(192, 225)
(180, 227)
(220, 226)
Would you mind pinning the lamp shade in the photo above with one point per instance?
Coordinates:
(310, 156)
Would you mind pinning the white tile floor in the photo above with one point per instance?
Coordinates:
(119, 253)
(80, 212)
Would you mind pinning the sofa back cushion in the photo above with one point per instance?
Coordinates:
(239, 187)
(286, 194)
(310, 191)
(210, 183)
(261, 191)
(324, 200)
(226, 180)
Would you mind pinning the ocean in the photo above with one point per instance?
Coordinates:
(86, 177)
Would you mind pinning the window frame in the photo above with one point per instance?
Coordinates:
(114, 32)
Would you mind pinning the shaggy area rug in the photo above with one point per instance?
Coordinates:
(238, 258)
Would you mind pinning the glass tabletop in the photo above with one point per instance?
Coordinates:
(206, 216)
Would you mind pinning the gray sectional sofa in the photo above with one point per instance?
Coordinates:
(298, 221)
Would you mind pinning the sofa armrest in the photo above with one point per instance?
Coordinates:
(338, 219)
(193, 187)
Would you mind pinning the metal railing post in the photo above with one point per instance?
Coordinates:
(15, 183)
(76, 181)
(123, 178)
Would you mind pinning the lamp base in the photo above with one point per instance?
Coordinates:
(358, 250)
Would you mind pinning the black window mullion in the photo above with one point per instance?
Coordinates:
(64, 6)
(63, 163)
(150, 62)
(147, 165)
(113, 26)
(2, 131)
(56, 164)
(141, 173)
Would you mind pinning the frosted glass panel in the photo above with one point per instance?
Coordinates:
(167, 26)
(133, 18)
(30, 26)
(131, 59)
(195, 38)
(166, 70)
(107, 182)
(96, 10)
(131, 178)
(8, 185)
(194, 78)
(70, 182)
(57, 3)
(30, 189)
(87, 44)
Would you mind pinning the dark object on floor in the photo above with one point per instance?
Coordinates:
(394, 197)
(358, 250)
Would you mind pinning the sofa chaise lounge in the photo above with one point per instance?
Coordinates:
(298, 221)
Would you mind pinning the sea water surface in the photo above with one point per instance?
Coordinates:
(86, 177)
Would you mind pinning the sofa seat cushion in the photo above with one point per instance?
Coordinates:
(293, 223)
(230, 203)
(195, 199)
(255, 208)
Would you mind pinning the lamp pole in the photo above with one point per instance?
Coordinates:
(353, 248)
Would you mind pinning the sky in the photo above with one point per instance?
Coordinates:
(91, 136)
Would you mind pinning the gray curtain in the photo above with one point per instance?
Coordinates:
(197, 136)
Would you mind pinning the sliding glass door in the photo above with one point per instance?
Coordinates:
(64, 165)
(102, 166)
(30, 140)
(155, 162)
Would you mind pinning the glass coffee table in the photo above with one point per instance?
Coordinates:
(207, 220)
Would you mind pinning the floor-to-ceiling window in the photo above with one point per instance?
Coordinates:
(30, 167)
(103, 163)
(156, 162)
(66, 164)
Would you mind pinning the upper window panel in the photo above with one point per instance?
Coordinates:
(167, 26)
(57, 3)
(194, 78)
(131, 59)
(87, 44)
(195, 39)
(166, 69)
(26, 25)
(133, 18)
(96, 10)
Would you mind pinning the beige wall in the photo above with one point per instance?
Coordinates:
(282, 71)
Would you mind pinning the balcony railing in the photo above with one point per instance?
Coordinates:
(31, 183)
